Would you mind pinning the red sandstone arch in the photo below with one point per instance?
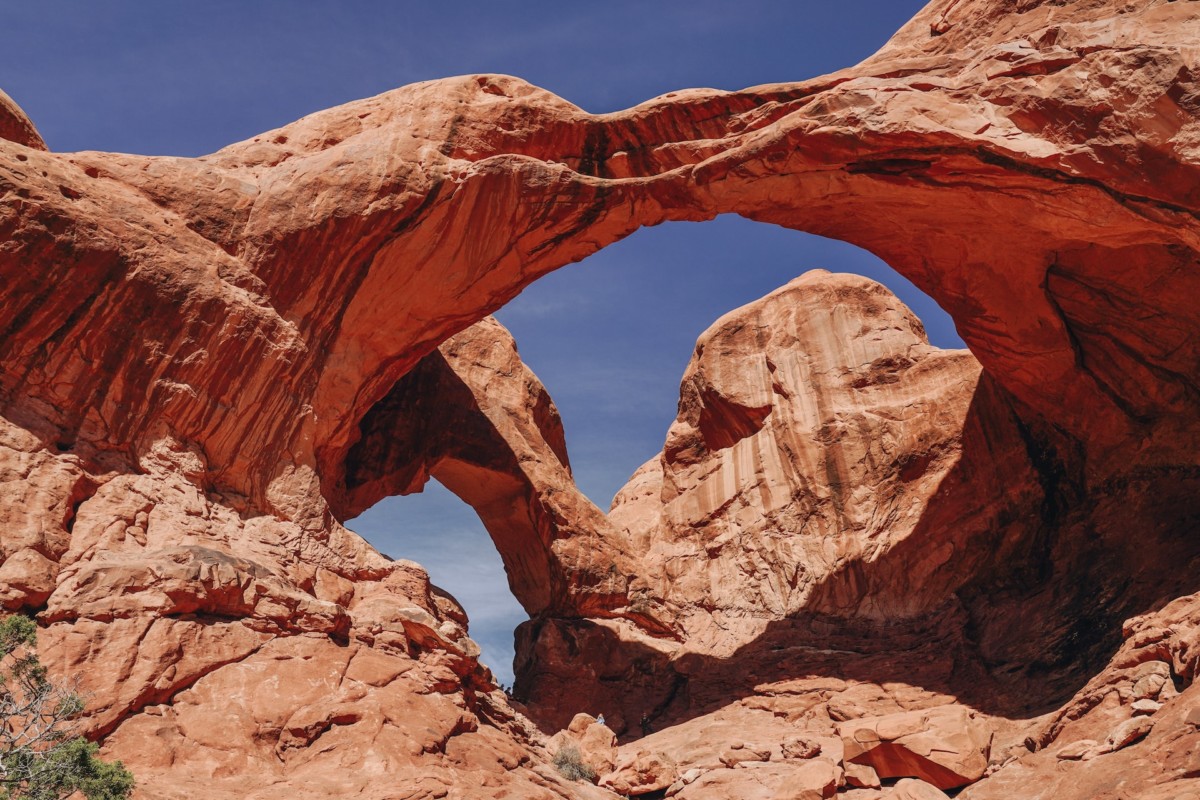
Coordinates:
(203, 350)
(473, 416)
(1037, 180)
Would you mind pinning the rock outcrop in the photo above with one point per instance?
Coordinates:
(944, 746)
(826, 461)
(204, 363)
(814, 426)
(16, 126)
(231, 653)
(472, 415)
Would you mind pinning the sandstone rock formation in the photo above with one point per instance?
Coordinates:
(943, 746)
(473, 416)
(15, 125)
(815, 428)
(227, 655)
(203, 363)
(594, 741)
(912, 789)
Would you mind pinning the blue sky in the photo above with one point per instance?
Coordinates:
(609, 336)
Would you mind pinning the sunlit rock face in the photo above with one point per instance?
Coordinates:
(849, 529)
(15, 125)
(473, 416)
(814, 427)
(827, 463)
(200, 360)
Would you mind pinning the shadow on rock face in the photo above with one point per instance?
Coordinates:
(474, 417)
(1025, 604)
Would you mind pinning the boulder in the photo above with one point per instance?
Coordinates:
(947, 747)
(1129, 732)
(646, 772)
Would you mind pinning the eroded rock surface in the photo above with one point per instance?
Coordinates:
(472, 415)
(202, 360)
(823, 506)
(945, 746)
(229, 652)
(16, 126)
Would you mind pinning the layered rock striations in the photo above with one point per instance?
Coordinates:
(205, 364)
(474, 417)
(814, 427)
(816, 467)
(852, 535)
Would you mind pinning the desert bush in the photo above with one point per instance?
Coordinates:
(570, 764)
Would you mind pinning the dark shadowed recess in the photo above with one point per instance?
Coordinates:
(1035, 591)
(1043, 585)
(608, 339)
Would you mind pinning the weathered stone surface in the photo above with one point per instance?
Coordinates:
(913, 789)
(200, 360)
(801, 747)
(1128, 732)
(809, 780)
(946, 747)
(1080, 750)
(738, 754)
(184, 616)
(593, 742)
(15, 125)
(813, 425)
(862, 776)
(1156, 766)
(474, 417)
(749, 548)
(341, 727)
(642, 772)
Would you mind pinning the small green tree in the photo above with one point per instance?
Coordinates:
(41, 758)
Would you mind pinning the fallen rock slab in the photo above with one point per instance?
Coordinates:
(741, 755)
(947, 746)
(1082, 750)
(861, 776)
(1128, 732)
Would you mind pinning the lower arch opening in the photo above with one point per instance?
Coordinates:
(444, 535)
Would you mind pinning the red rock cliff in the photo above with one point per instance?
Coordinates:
(200, 358)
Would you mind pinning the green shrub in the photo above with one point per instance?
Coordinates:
(571, 766)
(40, 758)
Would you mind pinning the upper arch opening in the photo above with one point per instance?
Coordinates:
(610, 336)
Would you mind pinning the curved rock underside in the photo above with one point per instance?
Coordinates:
(857, 558)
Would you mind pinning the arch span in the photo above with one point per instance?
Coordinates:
(348, 245)
(196, 353)
(1032, 176)
(473, 416)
